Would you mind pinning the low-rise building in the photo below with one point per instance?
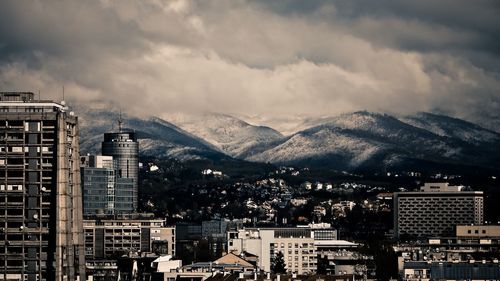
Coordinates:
(471, 254)
(340, 257)
(107, 237)
(445, 270)
(296, 244)
(167, 269)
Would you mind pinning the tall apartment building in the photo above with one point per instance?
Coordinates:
(299, 246)
(110, 237)
(103, 191)
(41, 235)
(124, 149)
(436, 210)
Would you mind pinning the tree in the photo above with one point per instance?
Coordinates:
(278, 265)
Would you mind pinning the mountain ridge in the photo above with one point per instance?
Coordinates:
(349, 141)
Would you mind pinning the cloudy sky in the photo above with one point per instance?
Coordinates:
(269, 58)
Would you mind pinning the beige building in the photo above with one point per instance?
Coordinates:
(478, 231)
(298, 245)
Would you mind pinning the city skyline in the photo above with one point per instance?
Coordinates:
(276, 59)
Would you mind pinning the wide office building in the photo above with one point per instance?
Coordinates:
(41, 235)
(436, 210)
(103, 191)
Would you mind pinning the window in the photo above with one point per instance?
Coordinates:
(16, 149)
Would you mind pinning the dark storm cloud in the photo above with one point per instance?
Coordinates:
(62, 28)
(257, 57)
(470, 25)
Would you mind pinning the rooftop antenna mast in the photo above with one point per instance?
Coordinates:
(120, 122)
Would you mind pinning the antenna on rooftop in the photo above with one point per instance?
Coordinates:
(120, 122)
(39, 96)
(63, 103)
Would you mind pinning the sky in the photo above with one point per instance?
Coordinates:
(257, 58)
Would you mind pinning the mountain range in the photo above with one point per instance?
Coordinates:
(351, 141)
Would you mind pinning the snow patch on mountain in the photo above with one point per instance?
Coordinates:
(451, 127)
(320, 143)
(151, 147)
(229, 134)
(286, 125)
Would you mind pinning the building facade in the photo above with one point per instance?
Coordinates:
(124, 149)
(103, 191)
(40, 195)
(436, 210)
(298, 245)
(473, 254)
(111, 237)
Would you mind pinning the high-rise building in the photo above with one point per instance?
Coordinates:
(41, 230)
(124, 148)
(103, 191)
(436, 210)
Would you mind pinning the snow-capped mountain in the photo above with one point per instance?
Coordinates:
(286, 125)
(231, 135)
(451, 127)
(352, 140)
(156, 136)
(349, 141)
